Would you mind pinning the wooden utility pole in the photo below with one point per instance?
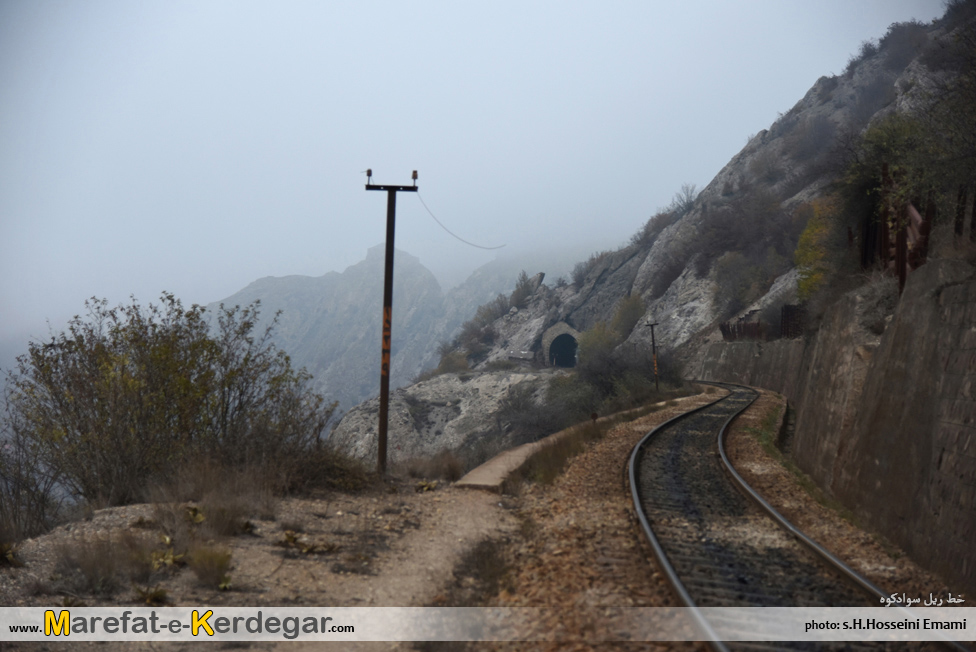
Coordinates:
(391, 192)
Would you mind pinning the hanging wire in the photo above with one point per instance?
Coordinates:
(448, 230)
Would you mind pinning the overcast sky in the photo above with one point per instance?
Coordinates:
(194, 147)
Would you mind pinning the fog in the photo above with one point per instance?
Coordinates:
(194, 147)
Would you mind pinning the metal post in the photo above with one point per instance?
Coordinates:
(657, 386)
(391, 192)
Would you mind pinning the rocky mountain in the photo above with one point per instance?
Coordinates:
(728, 251)
(330, 324)
(723, 254)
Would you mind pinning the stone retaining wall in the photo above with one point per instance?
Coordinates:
(888, 427)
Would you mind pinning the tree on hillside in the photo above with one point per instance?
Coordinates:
(684, 199)
(950, 118)
(126, 395)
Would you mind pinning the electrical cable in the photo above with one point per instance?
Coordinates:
(448, 230)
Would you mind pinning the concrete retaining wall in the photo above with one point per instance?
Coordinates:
(889, 427)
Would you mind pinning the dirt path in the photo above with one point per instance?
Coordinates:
(391, 549)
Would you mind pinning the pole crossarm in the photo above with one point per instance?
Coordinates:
(371, 186)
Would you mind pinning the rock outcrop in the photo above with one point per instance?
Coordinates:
(462, 413)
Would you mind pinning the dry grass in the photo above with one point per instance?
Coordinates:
(323, 468)
(136, 551)
(206, 501)
(101, 566)
(152, 596)
(545, 465)
(211, 565)
(88, 565)
(445, 465)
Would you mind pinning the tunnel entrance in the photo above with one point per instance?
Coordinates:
(562, 351)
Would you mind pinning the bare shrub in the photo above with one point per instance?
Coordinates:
(902, 43)
(545, 465)
(523, 290)
(766, 166)
(597, 364)
(877, 94)
(152, 596)
(648, 234)
(674, 265)
(324, 468)
(736, 282)
(223, 497)
(489, 312)
(88, 565)
(628, 313)
(451, 363)
(136, 552)
(581, 270)
(683, 200)
(28, 503)
(811, 138)
(454, 363)
(750, 224)
(826, 92)
(122, 398)
(501, 365)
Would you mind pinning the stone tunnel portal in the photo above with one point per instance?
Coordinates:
(562, 351)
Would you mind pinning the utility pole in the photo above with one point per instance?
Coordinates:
(391, 192)
(657, 386)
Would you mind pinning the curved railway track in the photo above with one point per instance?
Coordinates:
(716, 545)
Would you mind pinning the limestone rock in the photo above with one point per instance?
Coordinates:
(455, 412)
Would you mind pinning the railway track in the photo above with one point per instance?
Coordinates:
(717, 546)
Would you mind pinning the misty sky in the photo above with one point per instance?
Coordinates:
(196, 146)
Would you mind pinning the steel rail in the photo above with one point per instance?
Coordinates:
(831, 559)
(670, 573)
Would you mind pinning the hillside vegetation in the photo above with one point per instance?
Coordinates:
(790, 218)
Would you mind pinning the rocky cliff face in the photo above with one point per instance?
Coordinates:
(748, 210)
(462, 413)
